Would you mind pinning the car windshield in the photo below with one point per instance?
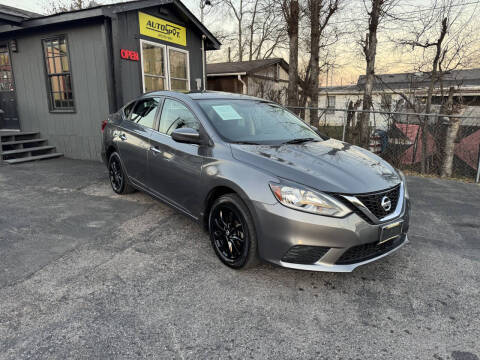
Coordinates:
(256, 122)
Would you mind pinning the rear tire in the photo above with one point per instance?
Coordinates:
(117, 175)
(232, 232)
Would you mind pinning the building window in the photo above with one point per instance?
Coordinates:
(178, 69)
(6, 80)
(59, 75)
(162, 72)
(153, 66)
(330, 104)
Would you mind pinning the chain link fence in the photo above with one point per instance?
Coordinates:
(398, 137)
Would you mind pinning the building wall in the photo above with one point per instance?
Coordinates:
(260, 84)
(271, 70)
(268, 89)
(77, 134)
(274, 88)
(471, 108)
(337, 118)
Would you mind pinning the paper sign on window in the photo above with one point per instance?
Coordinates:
(227, 112)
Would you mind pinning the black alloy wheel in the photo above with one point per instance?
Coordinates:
(117, 176)
(232, 232)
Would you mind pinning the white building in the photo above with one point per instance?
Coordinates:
(388, 91)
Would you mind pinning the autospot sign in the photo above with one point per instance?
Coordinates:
(162, 29)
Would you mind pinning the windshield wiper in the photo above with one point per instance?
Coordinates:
(300, 140)
(245, 142)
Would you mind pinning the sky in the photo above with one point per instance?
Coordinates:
(349, 63)
(38, 5)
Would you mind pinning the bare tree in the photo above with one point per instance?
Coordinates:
(319, 13)
(445, 44)
(266, 29)
(238, 8)
(58, 6)
(378, 9)
(291, 14)
(350, 123)
(252, 28)
(450, 108)
(207, 7)
(260, 30)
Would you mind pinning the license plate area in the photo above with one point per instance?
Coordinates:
(390, 231)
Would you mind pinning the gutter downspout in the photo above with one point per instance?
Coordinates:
(110, 65)
(244, 86)
(203, 63)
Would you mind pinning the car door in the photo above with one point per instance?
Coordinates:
(134, 138)
(175, 168)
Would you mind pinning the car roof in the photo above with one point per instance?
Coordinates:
(204, 95)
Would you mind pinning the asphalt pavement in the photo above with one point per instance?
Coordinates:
(87, 274)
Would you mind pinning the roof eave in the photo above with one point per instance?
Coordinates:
(11, 19)
(56, 19)
(279, 61)
(227, 74)
(108, 11)
(136, 5)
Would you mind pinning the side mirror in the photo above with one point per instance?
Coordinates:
(187, 136)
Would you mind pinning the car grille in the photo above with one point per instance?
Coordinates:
(373, 201)
(368, 251)
(302, 254)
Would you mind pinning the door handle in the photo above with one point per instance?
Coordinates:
(155, 150)
(123, 137)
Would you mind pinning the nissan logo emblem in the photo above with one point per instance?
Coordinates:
(386, 203)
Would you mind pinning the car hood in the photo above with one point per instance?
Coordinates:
(330, 165)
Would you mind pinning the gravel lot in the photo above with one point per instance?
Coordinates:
(85, 273)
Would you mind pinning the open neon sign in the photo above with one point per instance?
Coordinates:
(129, 55)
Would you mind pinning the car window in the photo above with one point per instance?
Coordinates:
(144, 112)
(128, 109)
(255, 121)
(175, 115)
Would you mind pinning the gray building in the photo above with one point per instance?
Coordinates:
(265, 78)
(61, 75)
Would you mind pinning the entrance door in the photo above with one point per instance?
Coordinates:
(8, 100)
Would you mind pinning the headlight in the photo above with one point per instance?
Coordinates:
(404, 180)
(310, 201)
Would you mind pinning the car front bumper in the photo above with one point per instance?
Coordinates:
(280, 229)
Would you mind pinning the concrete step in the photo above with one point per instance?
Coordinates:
(32, 158)
(19, 133)
(26, 150)
(17, 142)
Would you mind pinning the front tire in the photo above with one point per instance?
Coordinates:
(232, 232)
(117, 175)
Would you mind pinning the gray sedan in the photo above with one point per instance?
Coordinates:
(264, 184)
